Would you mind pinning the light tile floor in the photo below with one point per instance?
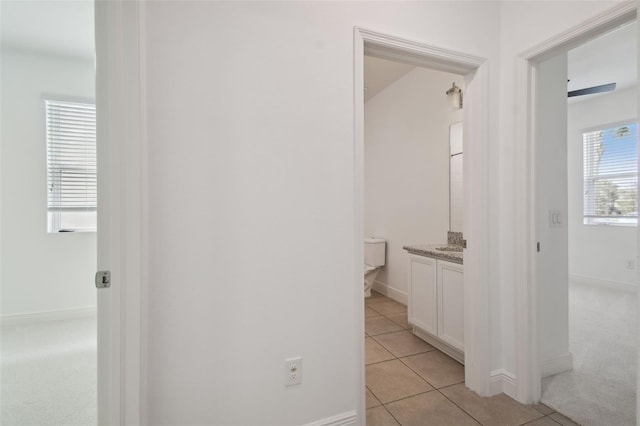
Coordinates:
(410, 383)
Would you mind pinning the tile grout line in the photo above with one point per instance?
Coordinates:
(405, 397)
(405, 356)
(380, 362)
(433, 388)
(384, 404)
(388, 319)
(470, 415)
(388, 332)
(374, 395)
(544, 416)
(416, 373)
(373, 337)
(402, 311)
(403, 363)
(391, 414)
(400, 358)
(454, 403)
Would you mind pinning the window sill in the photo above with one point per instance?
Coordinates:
(615, 224)
(74, 231)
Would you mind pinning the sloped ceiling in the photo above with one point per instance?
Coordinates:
(380, 73)
(611, 58)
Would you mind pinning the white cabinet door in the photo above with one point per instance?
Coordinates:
(423, 311)
(451, 304)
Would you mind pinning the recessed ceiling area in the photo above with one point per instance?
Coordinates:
(58, 27)
(611, 58)
(380, 73)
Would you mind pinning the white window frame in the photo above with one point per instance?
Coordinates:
(64, 214)
(589, 217)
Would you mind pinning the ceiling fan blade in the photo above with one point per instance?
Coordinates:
(590, 90)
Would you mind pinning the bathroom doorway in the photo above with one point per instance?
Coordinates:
(407, 159)
(475, 119)
(410, 169)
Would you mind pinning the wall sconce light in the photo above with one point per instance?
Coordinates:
(454, 97)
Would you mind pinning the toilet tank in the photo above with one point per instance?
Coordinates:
(374, 249)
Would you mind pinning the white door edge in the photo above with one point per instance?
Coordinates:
(121, 217)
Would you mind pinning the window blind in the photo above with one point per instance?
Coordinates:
(611, 175)
(71, 156)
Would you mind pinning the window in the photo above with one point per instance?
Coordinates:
(71, 166)
(611, 176)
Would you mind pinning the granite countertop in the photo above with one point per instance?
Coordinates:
(432, 250)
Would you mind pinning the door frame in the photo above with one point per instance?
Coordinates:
(528, 369)
(476, 191)
(122, 213)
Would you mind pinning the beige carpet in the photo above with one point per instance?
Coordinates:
(49, 373)
(601, 389)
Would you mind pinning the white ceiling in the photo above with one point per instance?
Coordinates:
(60, 27)
(611, 58)
(379, 73)
(66, 27)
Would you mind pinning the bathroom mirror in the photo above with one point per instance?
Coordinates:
(456, 195)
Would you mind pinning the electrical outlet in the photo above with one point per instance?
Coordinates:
(630, 264)
(293, 371)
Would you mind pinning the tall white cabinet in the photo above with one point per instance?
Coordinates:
(436, 303)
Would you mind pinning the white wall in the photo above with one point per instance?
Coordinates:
(406, 182)
(251, 204)
(40, 271)
(598, 252)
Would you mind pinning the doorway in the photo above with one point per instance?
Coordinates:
(529, 291)
(49, 230)
(587, 203)
(475, 175)
(410, 149)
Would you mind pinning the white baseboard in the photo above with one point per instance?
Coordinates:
(502, 381)
(65, 314)
(344, 419)
(556, 365)
(597, 282)
(392, 293)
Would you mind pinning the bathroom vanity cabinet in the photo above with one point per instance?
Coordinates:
(436, 303)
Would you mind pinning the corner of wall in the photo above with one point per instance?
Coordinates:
(556, 365)
(391, 292)
(503, 381)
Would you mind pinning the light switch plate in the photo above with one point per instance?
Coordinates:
(555, 219)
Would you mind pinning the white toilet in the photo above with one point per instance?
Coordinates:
(374, 252)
